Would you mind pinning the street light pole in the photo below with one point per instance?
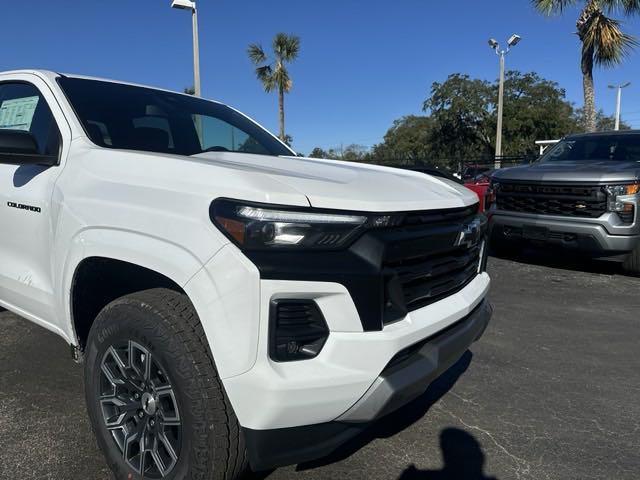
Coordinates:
(500, 111)
(189, 5)
(196, 53)
(619, 102)
(502, 53)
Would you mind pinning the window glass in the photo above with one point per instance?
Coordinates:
(620, 147)
(22, 107)
(140, 118)
(216, 135)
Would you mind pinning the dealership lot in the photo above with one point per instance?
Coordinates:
(551, 391)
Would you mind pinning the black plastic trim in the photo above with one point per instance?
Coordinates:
(322, 329)
(268, 449)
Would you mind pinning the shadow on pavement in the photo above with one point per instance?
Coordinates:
(561, 259)
(463, 459)
(399, 420)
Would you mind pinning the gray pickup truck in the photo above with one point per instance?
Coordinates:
(582, 194)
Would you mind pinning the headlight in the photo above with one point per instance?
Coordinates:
(616, 201)
(254, 227)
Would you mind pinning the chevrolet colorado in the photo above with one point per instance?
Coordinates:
(583, 194)
(235, 306)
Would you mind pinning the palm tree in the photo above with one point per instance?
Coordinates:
(603, 41)
(274, 75)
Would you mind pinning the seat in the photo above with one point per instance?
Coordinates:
(148, 138)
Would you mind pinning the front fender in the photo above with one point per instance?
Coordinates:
(169, 259)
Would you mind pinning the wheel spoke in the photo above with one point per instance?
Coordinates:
(158, 461)
(168, 447)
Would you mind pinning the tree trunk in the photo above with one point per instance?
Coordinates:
(283, 135)
(589, 91)
(588, 52)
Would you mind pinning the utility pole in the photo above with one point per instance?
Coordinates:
(513, 41)
(619, 102)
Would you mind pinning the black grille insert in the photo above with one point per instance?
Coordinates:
(424, 264)
(425, 280)
(582, 201)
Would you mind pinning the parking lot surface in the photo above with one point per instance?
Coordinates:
(550, 392)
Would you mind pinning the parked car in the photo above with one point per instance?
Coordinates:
(472, 171)
(480, 185)
(582, 194)
(233, 304)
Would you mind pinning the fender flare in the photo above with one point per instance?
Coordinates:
(168, 259)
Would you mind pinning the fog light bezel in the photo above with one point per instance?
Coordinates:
(306, 351)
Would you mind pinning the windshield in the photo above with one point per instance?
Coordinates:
(138, 118)
(621, 148)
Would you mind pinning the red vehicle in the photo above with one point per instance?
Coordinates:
(480, 185)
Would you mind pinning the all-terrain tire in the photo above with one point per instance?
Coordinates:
(632, 264)
(211, 445)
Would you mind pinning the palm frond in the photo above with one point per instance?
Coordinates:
(266, 77)
(286, 46)
(628, 7)
(610, 43)
(282, 79)
(552, 7)
(256, 53)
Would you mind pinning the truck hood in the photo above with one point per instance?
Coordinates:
(570, 171)
(349, 186)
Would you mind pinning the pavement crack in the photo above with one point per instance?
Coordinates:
(522, 466)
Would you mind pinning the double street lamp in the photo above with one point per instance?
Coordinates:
(619, 101)
(512, 42)
(189, 5)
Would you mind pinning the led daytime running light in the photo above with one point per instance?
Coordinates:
(263, 215)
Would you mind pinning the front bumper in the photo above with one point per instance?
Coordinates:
(274, 395)
(405, 377)
(588, 235)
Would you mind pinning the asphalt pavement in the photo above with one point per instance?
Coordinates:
(552, 391)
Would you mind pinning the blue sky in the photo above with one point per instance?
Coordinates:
(363, 63)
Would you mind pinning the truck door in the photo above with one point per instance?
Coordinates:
(26, 217)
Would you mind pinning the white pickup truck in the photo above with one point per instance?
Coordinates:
(235, 306)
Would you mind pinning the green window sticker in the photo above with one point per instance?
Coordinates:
(17, 113)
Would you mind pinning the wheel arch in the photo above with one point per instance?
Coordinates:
(103, 264)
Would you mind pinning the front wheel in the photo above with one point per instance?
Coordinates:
(154, 398)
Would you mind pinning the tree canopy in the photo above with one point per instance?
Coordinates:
(460, 118)
(464, 114)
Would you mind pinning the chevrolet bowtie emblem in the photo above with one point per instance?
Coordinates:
(470, 234)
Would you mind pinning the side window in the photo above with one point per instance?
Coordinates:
(219, 136)
(22, 107)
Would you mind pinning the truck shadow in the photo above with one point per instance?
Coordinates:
(463, 459)
(399, 420)
(555, 257)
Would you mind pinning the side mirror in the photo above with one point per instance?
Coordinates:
(20, 148)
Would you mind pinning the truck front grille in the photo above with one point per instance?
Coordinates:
(550, 199)
(423, 263)
(425, 280)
